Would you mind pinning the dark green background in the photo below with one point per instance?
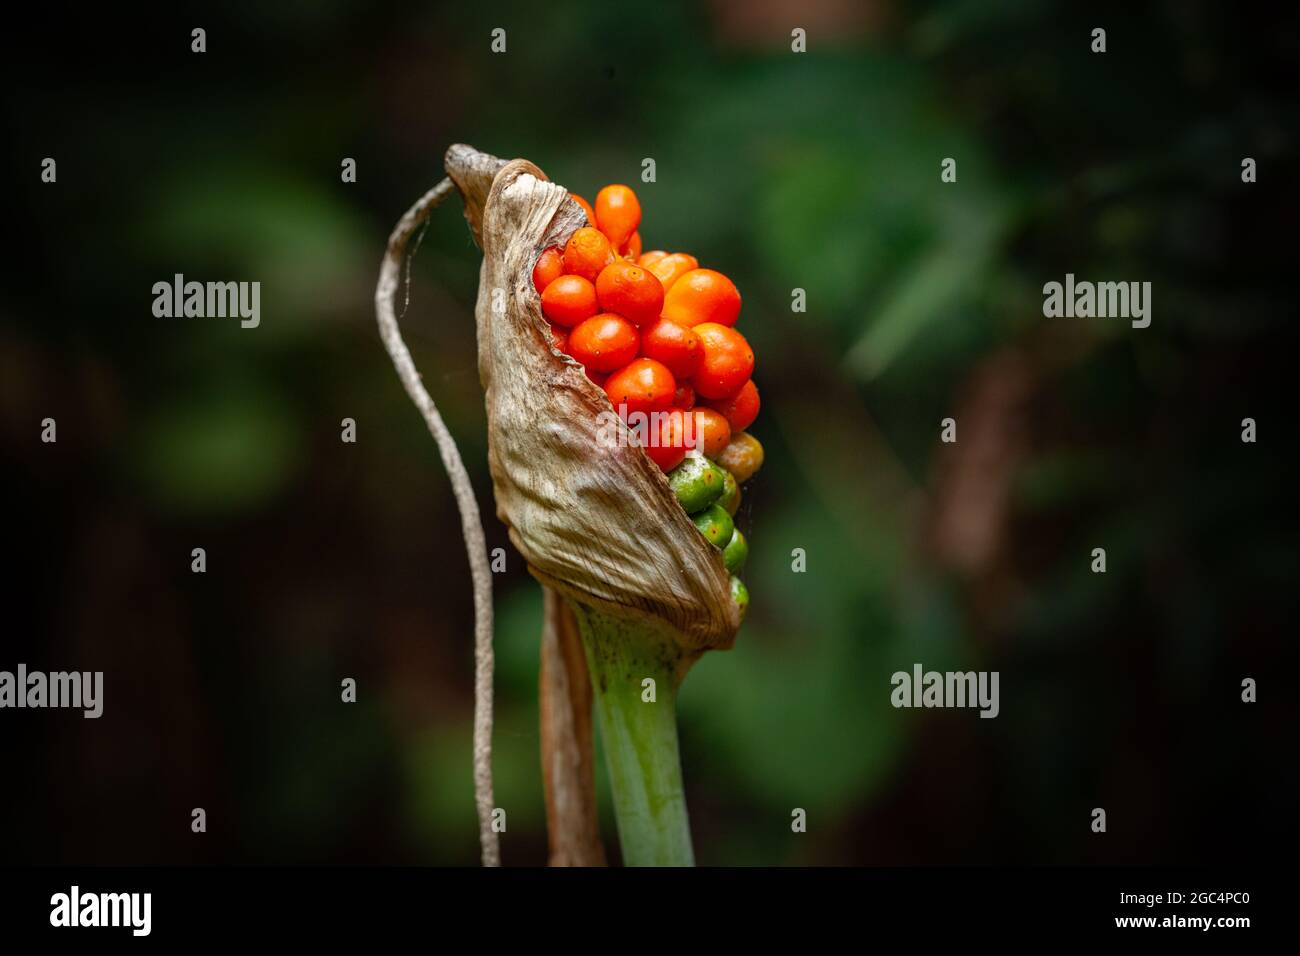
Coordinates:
(818, 171)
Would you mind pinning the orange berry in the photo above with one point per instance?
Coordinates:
(702, 295)
(710, 432)
(674, 345)
(647, 259)
(617, 213)
(604, 342)
(586, 208)
(672, 267)
(568, 300)
(632, 248)
(586, 253)
(684, 397)
(727, 361)
(667, 446)
(630, 291)
(741, 408)
(559, 338)
(643, 385)
(550, 266)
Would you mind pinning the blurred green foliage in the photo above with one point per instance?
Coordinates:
(817, 171)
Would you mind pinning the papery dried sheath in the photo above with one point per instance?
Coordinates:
(594, 519)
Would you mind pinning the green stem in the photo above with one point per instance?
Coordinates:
(639, 735)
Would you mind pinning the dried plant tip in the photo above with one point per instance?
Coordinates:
(590, 512)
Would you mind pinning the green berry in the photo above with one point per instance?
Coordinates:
(730, 497)
(715, 524)
(736, 551)
(696, 482)
(740, 594)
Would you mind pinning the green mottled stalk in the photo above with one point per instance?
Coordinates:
(639, 736)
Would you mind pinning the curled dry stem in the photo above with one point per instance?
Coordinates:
(390, 270)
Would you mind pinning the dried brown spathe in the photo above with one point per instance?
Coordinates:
(594, 519)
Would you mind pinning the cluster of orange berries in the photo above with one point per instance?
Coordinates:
(652, 328)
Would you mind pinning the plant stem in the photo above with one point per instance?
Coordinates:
(471, 525)
(639, 735)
